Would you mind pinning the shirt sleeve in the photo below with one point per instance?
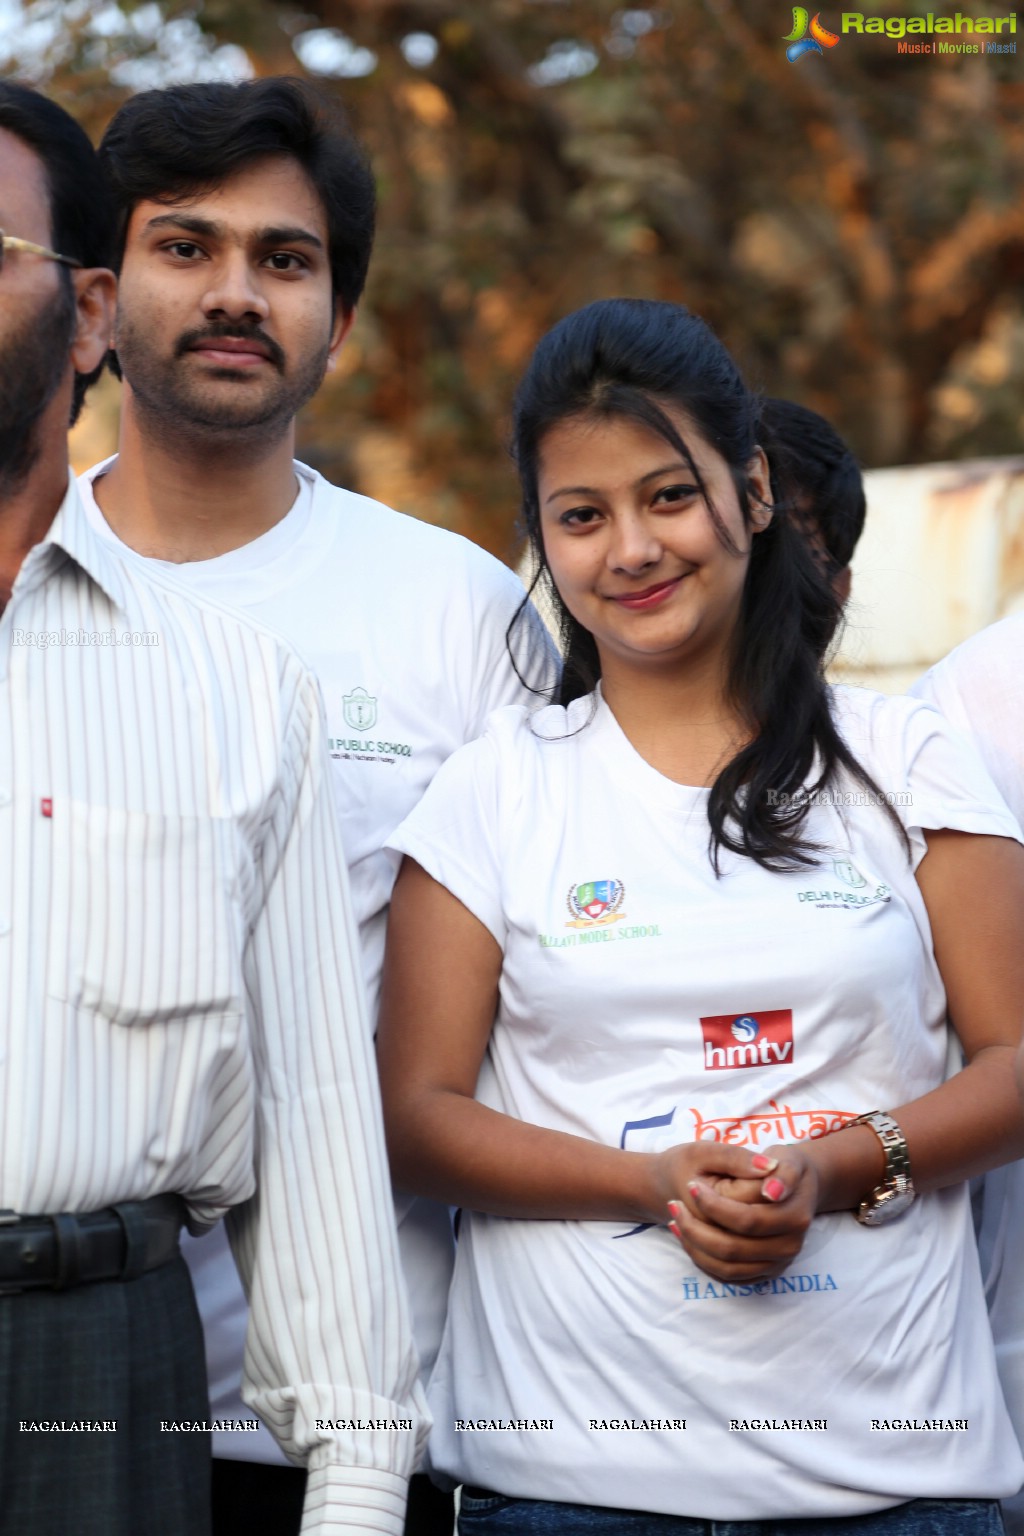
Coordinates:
(329, 1364)
(938, 779)
(978, 689)
(453, 831)
(515, 658)
(937, 688)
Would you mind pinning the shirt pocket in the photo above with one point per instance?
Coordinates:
(147, 925)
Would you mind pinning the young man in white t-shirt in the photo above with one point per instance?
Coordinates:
(979, 688)
(247, 222)
(817, 479)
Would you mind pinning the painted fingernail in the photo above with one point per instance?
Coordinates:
(774, 1189)
(696, 1190)
(675, 1209)
(676, 1233)
(763, 1164)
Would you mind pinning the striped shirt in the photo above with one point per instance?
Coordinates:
(180, 1002)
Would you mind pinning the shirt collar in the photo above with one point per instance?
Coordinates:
(70, 533)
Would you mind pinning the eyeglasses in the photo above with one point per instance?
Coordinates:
(15, 243)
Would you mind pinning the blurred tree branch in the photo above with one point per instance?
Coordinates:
(851, 224)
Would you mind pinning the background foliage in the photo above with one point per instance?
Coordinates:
(853, 225)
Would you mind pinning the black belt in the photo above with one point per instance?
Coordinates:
(66, 1249)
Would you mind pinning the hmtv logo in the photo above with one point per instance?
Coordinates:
(733, 1040)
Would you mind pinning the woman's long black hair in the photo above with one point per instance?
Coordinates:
(638, 358)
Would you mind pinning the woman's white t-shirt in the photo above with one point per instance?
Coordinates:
(645, 1002)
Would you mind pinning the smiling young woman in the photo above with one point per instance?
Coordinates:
(640, 566)
(671, 966)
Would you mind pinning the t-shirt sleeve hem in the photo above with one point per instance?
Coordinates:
(448, 871)
(982, 820)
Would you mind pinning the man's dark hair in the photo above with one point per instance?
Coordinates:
(81, 209)
(815, 473)
(165, 145)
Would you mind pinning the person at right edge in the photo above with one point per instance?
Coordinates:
(701, 999)
(979, 688)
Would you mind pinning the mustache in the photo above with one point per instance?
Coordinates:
(224, 328)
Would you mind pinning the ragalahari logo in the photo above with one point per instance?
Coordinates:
(800, 43)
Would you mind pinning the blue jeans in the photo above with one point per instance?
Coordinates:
(499, 1516)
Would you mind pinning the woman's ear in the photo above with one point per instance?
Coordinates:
(760, 490)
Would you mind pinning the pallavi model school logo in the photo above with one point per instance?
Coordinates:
(595, 903)
(808, 35)
(595, 915)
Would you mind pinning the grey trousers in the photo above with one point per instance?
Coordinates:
(123, 1353)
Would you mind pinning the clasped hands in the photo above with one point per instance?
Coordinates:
(741, 1216)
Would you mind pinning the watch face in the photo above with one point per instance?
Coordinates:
(885, 1206)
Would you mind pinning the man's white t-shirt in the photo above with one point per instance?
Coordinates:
(404, 625)
(980, 689)
(644, 1002)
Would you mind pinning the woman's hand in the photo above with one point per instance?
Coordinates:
(731, 1171)
(742, 1223)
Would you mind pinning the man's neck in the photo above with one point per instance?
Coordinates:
(182, 501)
(27, 511)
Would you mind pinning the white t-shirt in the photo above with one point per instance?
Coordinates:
(644, 1003)
(404, 625)
(980, 689)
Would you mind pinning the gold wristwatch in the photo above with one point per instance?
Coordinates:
(896, 1191)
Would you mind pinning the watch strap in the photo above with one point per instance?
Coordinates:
(896, 1180)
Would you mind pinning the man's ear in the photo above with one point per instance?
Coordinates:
(344, 320)
(95, 304)
(842, 582)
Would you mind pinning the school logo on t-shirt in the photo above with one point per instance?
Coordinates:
(734, 1040)
(596, 901)
(848, 872)
(360, 709)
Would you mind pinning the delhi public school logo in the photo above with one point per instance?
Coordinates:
(360, 709)
(595, 903)
(848, 873)
(799, 43)
(734, 1040)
